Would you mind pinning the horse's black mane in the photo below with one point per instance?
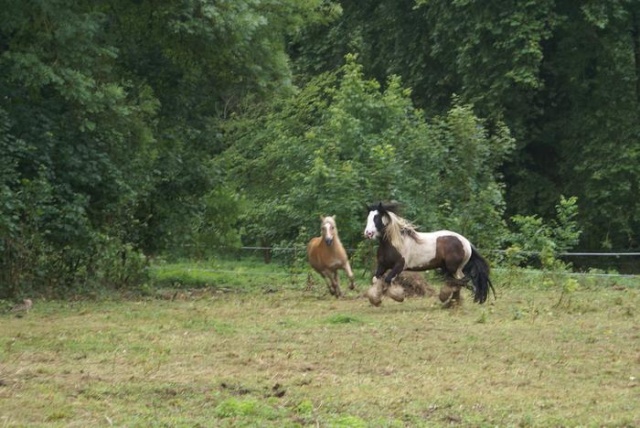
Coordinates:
(405, 227)
(393, 207)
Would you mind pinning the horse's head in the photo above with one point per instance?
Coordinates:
(376, 221)
(328, 228)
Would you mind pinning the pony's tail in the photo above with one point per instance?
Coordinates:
(477, 269)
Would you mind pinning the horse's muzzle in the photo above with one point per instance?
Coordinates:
(329, 241)
(369, 234)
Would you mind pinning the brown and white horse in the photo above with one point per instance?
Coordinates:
(402, 247)
(326, 255)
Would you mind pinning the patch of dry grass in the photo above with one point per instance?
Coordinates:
(296, 358)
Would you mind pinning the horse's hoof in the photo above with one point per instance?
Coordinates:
(446, 293)
(374, 295)
(396, 292)
(451, 304)
(375, 303)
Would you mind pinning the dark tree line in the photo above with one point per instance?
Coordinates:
(136, 128)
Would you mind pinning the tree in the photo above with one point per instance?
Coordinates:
(563, 77)
(593, 76)
(110, 112)
(80, 143)
(343, 142)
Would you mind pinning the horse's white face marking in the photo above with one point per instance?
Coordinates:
(371, 231)
(328, 229)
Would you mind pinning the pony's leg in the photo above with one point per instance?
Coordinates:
(456, 297)
(446, 293)
(347, 269)
(309, 282)
(453, 268)
(450, 293)
(327, 277)
(395, 271)
(396, 292)
(374, 293)
(335, 284)
(455, 272)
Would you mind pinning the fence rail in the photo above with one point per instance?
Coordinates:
(531, 253)
(621, 262)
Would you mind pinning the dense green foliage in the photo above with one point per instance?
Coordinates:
(342, 142)
(131, 129)
(563, 76)
(110, 112)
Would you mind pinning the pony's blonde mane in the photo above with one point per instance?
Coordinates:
(397, 227)
(329, 219)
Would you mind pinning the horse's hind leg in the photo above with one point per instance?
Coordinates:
(335, 284)
(332, 282)
(456, 297)
(450, 294)
(309, 282)
(446, 293)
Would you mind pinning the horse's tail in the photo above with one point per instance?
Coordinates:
(477, 269)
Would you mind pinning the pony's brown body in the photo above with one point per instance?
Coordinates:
(327, 255)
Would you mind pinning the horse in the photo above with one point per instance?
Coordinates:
(402, 247)
(326, 255)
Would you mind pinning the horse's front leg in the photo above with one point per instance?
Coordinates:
(395, 271)
(347, 269)
(380, 270)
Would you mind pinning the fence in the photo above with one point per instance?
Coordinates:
(622, 263)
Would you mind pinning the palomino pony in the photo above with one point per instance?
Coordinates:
(326, 255)
(402, 247)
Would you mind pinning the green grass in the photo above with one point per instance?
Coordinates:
(223, 275)
(274, 353)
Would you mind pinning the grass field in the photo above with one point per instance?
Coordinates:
(263, 351)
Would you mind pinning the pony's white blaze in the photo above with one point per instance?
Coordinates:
(327, 231)
(371, 231)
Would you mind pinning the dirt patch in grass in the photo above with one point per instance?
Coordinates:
(415, 284)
